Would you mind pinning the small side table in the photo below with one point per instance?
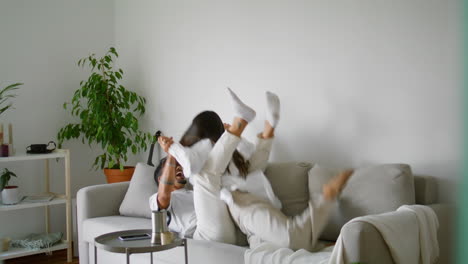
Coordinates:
(111, 242)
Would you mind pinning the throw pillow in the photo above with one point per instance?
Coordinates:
(289, 183)
(371, 190)
(142, 186)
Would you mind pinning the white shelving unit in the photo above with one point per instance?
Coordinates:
(59, 199)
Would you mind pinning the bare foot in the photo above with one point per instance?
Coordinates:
(332, 188)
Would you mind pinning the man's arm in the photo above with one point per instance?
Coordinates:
(166, 183)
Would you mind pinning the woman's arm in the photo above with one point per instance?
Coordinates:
(193, 158)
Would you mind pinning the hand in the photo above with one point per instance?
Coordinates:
(226, 126)
(165, 143)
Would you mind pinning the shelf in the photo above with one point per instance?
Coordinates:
(21, 252)
(59, 199)
(59, 153)
(24, 205)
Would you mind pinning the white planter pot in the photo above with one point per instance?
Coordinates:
(10, 195)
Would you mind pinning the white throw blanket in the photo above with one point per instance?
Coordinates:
(410, 234)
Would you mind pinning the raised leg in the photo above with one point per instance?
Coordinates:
(259, 159)
(214, 222)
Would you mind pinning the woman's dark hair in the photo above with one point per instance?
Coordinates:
(208, 124)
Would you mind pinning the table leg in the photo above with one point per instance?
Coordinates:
(185, 248)
(151, 256)
(95, 254)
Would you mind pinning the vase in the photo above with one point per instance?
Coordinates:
(117, 175)
(10, 195)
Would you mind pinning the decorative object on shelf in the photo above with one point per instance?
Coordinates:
(10, 193)
(38, 241)
(2, 152)
(38, 198)
(6, 150)
(1, 133)
(41, 148)
(106, 111)
(5, 95)
(4, 244)
(11, 150)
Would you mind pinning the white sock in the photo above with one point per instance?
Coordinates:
(273, 108)
(241, 110)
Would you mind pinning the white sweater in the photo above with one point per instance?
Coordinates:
(193, 158)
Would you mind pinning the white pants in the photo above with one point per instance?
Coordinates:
(214, 222)
(258, 219)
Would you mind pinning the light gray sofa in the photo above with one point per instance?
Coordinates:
(371, 190)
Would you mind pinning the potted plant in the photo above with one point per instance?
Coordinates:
(10, 193)
(106, 112)
(5, 96)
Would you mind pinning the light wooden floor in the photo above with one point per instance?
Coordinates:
(58, 257)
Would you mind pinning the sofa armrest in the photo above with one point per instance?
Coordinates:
(96, 201)
(445, 235)
(100, 200)
(363, 243)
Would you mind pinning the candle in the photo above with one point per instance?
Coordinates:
(1, 133)
(10, 133)
(11, 150)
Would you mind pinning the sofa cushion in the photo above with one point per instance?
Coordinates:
(371, 190)
(289, 183)
(93, 227)
(199, 251)
(142, 186)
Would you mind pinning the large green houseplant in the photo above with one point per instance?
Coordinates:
(107, 115)
(5, 95)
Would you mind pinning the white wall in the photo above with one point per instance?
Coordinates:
(40, 43)
(361, 82)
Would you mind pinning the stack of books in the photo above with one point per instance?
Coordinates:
(38, 198)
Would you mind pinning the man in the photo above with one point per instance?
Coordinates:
(173, 196)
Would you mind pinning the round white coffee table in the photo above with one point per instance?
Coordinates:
(111, 242)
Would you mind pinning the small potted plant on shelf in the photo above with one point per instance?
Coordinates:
(10, 193)
(107, 111)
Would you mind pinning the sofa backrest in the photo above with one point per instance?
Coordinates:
(289, 183)
(371, 190)
(425, 188)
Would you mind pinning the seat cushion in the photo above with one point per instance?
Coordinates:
(94, 227)
(289, 183)
(371, 190)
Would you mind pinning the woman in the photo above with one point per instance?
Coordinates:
(239, 180)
